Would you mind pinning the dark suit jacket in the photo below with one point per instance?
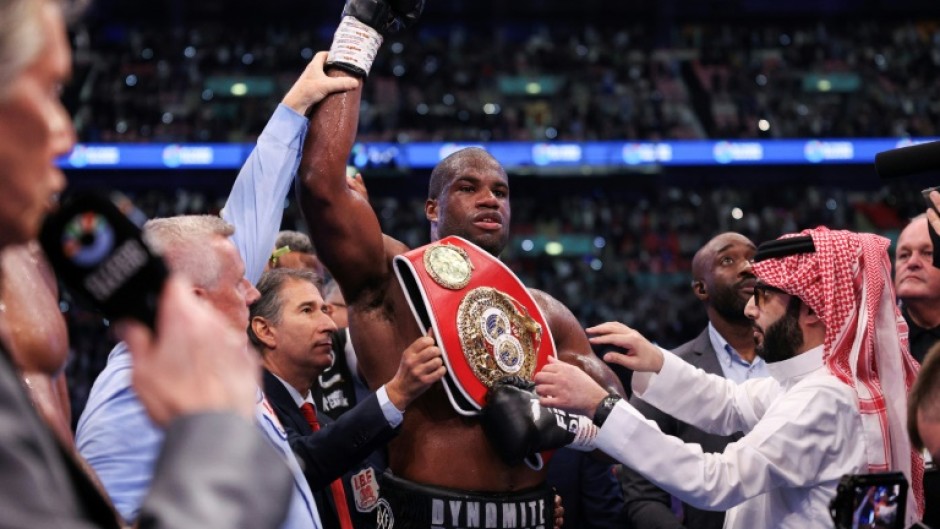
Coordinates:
(199, 481)
(341, 446)
(589, 491)
(647, 506)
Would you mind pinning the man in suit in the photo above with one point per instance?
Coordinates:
(722, 279)
(291, 328)
(223, 257)
(215, 470)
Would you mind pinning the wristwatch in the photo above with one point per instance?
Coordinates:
(604, 408)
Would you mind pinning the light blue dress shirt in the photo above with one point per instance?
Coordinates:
(734, 367)
(114, 433)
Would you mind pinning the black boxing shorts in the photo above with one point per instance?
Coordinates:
(408, 505)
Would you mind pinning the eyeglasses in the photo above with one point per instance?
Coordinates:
(762, 292)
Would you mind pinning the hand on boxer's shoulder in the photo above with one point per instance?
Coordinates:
(638, 354)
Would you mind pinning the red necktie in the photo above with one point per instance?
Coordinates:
(336, 488)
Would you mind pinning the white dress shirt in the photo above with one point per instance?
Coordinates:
(803, 433)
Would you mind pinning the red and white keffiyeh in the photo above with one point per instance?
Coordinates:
(847, 282)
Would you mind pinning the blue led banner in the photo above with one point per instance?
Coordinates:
(608, 155)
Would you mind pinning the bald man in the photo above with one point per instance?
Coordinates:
(723, 281)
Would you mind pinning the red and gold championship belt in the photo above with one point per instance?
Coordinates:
(485, 321)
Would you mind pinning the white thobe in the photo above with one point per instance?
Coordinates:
(803, 432)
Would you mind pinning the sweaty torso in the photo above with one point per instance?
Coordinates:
(436, 445)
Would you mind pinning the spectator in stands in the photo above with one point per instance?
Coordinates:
(723, 281)
(917, 283)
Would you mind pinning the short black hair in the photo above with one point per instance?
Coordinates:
(446, 169)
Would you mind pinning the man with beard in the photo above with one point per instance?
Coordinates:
(723, 280)
(442, 452)
(826, 324)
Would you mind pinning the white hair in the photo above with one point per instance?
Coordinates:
(21, 38)
(184, 243)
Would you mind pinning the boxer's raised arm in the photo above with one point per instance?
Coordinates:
(342, 224)
(341, 221)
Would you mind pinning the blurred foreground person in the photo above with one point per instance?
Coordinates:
(38, 334)
(215, 471)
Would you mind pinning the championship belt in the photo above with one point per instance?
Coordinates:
(484, 319)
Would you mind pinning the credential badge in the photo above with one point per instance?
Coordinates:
(448, 265)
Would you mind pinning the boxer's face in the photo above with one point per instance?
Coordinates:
(35, 129)
(474, 204)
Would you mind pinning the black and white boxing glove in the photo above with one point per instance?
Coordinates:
(360, 32)
(518, 426)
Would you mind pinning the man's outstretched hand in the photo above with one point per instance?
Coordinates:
(639, 354)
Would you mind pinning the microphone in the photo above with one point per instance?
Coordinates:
(99, 254)
(908, 161)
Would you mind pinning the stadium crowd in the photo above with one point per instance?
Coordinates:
(526, 82)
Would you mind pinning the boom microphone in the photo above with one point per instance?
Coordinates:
(908, 161)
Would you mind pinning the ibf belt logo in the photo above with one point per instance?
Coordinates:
(365, 490)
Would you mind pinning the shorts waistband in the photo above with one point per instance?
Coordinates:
(419, 506)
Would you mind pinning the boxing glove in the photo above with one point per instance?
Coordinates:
(361, 30)
(518, 426)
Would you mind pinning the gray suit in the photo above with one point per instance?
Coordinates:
(645, 505)
(215, 471)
